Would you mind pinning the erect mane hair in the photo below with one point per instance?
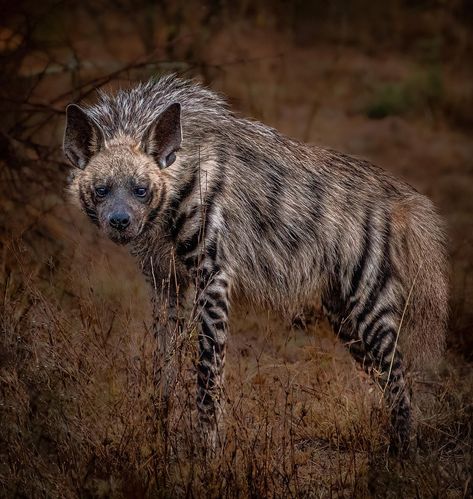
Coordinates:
(130, 111)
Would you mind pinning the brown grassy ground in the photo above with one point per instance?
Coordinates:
(76, 411)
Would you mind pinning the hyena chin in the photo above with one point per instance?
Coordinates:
(232, 206)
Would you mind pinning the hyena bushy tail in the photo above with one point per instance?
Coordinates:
(423, 325)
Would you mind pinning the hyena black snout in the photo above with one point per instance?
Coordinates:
(119, 220)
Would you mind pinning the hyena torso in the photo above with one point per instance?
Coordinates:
(207, 198)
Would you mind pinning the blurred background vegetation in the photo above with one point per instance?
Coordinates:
(390, 81)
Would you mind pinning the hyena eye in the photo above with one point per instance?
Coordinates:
(140, 192)
(101, 192)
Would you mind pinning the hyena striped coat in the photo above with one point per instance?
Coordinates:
(205, 197)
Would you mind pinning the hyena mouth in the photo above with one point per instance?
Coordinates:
(120, 238)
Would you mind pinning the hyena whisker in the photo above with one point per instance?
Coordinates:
(208, 199)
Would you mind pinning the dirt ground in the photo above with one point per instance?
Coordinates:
(301, 419)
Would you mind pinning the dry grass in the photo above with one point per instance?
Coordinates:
(301, 420)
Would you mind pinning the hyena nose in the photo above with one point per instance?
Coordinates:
(119, 221)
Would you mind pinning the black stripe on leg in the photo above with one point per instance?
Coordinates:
(213, 314)
(221, 304)
(365, 254)
(381, 332)
(220, 325)
(213, 295)
(208, 334)
(378, 342)
(204, 397)
(214, 347)
(370, 334)
(380, 314)
(206, 354)
(383, 277)
(205, 381)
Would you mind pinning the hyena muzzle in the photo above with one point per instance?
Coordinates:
(237, 209)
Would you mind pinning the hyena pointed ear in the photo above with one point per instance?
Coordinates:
(164, 136)
(82, 138)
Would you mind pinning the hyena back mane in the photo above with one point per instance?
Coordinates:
(129, 112)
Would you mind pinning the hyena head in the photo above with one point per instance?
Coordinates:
(119, 181)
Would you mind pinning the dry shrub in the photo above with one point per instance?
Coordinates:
(78, 413)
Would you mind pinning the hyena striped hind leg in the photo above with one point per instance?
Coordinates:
(373, 344)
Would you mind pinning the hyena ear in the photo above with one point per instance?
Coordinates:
(82, 138)
(164, 136)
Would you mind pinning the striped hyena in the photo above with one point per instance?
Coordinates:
(235, 208)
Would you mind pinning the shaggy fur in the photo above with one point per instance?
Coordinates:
(236, 208)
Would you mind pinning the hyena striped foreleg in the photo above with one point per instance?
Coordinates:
(213, 302)
(373, 344)
(168, 328)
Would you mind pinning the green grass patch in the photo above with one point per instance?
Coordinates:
(421, 92)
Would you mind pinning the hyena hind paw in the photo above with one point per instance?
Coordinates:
(400, 444)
